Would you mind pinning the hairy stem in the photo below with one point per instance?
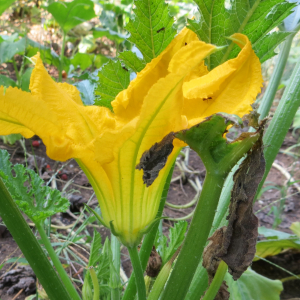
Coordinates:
(139, 273)
(61, 271)
(30, 247)
(216, 283)
(195, 240)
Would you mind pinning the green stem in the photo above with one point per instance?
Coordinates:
(216, 283)
(95, 283)
(30, 247)
(115, 274)
(162, 278)
(196, 239)
(148, 242)
(274, 82)
(61, 271)
(281, 122)
(16, 71)
(62, 53)
(139, 273)
(23, 63)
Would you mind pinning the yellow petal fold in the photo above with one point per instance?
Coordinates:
(230, 87)
(128, 103)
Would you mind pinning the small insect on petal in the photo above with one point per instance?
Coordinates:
(207, 99)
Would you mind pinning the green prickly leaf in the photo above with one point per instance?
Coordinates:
(256, 18)
(132, 61)
(70, 14)
(29, 192)
(265, 49)
(151, 28)
(112, 80)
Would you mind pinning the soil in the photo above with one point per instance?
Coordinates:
(69, 178)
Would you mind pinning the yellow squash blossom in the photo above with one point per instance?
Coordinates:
(174, 92)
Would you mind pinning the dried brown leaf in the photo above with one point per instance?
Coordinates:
(154, 263)
(153, 160)
(211, 261)
(240, 237)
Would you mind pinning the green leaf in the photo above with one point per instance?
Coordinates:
(151, 28)
(101, 261)
(11, 138)
(273, 247)
(28, 190)
(161, 245)
(265, 48)
(87, 44)
(81, 60)
(110, 34)
(272, 233)
(132, 61)
(220, 19)
(25, 79)
(48, 56)
(6, 81)
(86, 88)
(276, 242)
(251, 286)
(70, 14)
(20, 260)
(295, 227)
(5, 4)
(112, 80)
(9, 48)
(177, 234)
(95, 249)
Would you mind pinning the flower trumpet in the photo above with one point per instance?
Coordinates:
(173, 92)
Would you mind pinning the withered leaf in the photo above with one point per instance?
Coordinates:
(154, 159)
(235, 243)
(239, 240)
(211, 261)
(154, 263)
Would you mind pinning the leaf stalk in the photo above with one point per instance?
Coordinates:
(61, 271)
(30, 247)
(138, 271)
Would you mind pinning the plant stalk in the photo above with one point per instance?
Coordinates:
(16, 71)
(62, 55)
(115, 274)
(61, 271)
(216, 283)
(148, 242)
(162, 278)
(139, 273)
(196, 239)
(281, 121)
(30, 247)
(95, 283)
(274, 82)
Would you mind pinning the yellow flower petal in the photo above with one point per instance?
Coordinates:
(78, 124)
(128, 103)
(230, 87)
(160, 114)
